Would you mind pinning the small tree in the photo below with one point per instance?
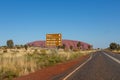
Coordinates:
(10, 43)
(118, 47)
(71, 47)
(4, 49)
(58, 47)
(63, 46)
(90, 47)
(113, 46)
(78, 45)
(17, 46)
(22, 46)
(26, 47)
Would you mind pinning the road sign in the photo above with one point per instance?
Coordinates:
(53, 40)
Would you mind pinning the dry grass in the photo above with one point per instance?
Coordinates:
(22, 62)
(116, 51)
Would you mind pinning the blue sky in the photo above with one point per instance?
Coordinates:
(93, 21)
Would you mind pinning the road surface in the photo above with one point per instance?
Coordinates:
(100, 66)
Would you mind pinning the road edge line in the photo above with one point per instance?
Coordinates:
(65, 78)
(113, 58)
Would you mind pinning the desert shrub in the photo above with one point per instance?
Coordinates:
(71, 47)
(4, 50)
(66, 50)
(53, 51)
(26, 47)
(63, 46)
(41, 60)
(10, 43)
(27, 63)
(54, 60)
(58, 47)
(8, 75)
(79, 45)
(17, 46)
(35, 51)
(75, 55)
(43, 51)
(75, 50)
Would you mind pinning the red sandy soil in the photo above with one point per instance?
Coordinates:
(49, 72)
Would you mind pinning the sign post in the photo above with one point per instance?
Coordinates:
(53, 40)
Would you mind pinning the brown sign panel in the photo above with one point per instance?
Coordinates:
(53, 39)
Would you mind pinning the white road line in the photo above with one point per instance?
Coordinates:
(77, 68)
(116, 60)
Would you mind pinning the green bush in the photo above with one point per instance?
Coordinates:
(55, 59)
(10, 43)
(26, 47)
(8, 75)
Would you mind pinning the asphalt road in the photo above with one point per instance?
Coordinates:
(100, 66)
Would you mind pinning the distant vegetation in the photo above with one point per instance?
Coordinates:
(10, 44)
(114, 46)
(90, 47)
(71, 47)
(18, 60)
(79, 45)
